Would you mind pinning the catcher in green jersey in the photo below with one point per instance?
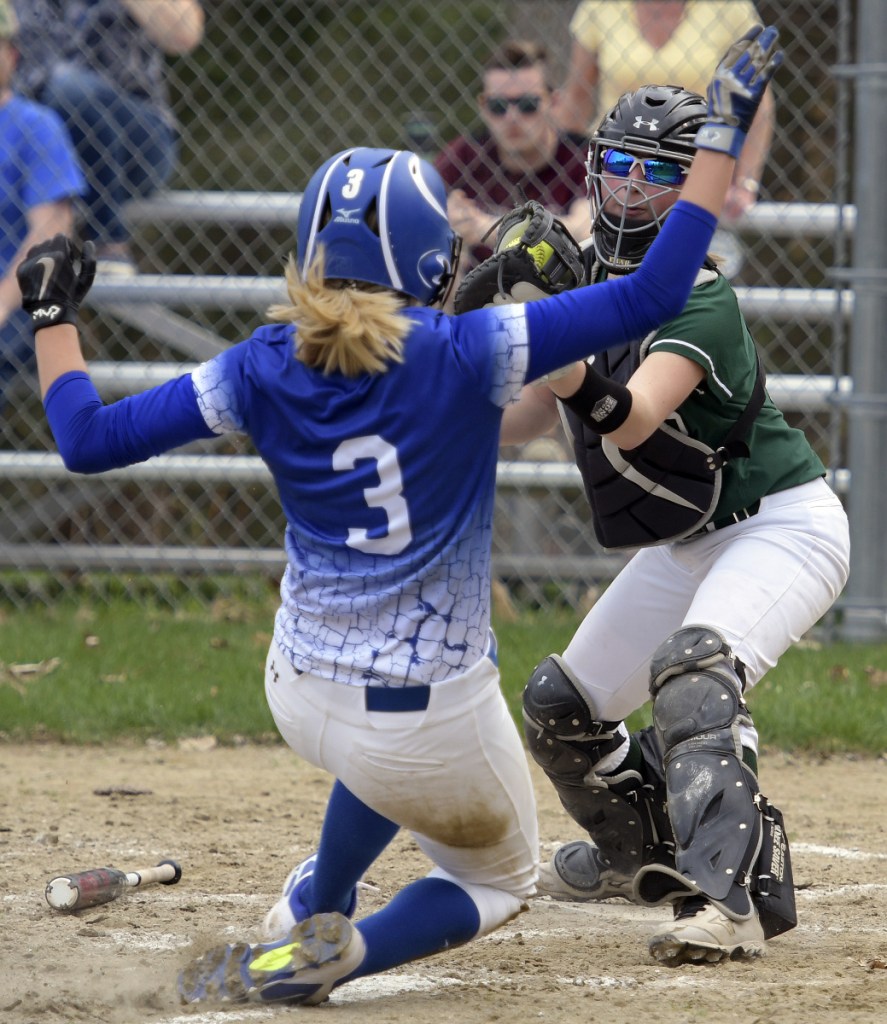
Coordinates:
(741, 548)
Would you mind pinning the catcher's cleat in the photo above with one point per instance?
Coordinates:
(300, 969)
(290, 909)
(700, 933)
(579, 873)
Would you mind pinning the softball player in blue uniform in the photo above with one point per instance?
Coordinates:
(379, 419)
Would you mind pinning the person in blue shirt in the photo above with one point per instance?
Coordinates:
(378, 416)
(101, 65)
(39, 179)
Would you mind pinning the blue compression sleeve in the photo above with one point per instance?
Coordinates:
(576, 324)
(427, 917)
(353, 836)
(93, 437)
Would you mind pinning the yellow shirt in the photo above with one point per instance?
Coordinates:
(626, 61)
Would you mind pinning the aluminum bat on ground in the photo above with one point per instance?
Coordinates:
(101, 885)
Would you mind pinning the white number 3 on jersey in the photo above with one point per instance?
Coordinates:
(388, 495)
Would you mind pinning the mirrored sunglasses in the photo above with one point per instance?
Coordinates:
(656, 172)
(498, 105)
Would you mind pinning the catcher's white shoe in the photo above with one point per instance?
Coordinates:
(579, 873)
(700, 933)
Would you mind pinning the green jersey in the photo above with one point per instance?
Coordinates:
(665, 489)
(713, 333)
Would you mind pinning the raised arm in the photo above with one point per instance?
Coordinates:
(174, 26)
(92, 437)
(734, 95)
(743, 192)
(573, 105)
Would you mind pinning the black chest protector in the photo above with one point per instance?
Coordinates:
(668, 487)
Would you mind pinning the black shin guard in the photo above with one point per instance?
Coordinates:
(624, 813)
(730, 842)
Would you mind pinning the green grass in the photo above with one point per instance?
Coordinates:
(124, 671)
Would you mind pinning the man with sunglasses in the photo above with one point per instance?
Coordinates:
(520, 152)
(739, 548)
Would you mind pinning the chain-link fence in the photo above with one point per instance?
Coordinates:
(274, 87)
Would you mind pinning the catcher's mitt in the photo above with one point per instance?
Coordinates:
(534, 257)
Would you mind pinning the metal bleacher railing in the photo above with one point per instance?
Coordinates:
(148, 301)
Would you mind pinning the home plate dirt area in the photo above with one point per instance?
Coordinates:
(238, 818)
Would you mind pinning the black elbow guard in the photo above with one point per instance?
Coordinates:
(603, 405)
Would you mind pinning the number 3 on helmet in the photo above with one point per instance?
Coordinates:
(381, 217)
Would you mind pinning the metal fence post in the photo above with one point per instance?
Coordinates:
(865, 602)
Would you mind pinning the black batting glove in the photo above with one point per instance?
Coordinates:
(54, 277)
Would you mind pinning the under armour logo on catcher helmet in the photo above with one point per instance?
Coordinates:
(639, 122)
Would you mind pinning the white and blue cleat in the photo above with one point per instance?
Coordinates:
(289, 910)
(301, 968)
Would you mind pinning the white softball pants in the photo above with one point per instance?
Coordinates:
(761, 584)
(455, 774)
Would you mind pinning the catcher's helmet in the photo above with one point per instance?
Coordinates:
(656, 122)
(381, 217)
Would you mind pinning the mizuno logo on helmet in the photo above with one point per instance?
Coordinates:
(344, 216)
(639, 122)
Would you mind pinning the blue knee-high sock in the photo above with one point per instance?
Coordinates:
(426, 917)
(352, 837)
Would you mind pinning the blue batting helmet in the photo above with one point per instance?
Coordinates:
(381, 217)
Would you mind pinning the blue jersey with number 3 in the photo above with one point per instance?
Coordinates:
(387, 480)
(387, 483)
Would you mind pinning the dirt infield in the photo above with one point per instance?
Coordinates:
(237, 819)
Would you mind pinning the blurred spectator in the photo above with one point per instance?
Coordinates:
(620, 45)
(39, 177)
(520, 153)
(101, 65)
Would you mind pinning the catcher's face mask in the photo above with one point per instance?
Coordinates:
(631, 195)
(637, 161)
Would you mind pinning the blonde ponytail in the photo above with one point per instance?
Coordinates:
(342, 326)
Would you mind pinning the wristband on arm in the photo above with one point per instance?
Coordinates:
(603, 405)
(736, 89)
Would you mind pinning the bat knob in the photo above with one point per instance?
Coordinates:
(61, 894)
(178, 872)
